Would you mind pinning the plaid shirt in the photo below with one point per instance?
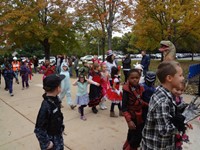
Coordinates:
(159, 132)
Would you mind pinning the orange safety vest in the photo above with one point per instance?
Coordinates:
(16, 66)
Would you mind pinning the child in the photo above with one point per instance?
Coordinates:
(84, 69)
(9, 75)
(49, 69)
(24, 72)
(181, 105)
(105, 84)
(139, 67)
(82, 97)
(162, 121)
(95, 93)
(49, 124)
(149, 89)
(114, 94)
(66, 85)
(132, 106)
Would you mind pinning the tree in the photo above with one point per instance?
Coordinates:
(105, 16)
(47, 22)
(174, 20)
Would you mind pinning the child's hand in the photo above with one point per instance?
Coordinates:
(50, 145)
(131, 125)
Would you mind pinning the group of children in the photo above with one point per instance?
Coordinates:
(12, 70)
(151, 113)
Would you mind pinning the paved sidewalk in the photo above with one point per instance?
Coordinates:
(100, 132)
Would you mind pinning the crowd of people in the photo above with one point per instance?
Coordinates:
(152, 115)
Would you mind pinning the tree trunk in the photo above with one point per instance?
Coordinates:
(46, 46)
(110, 23)
(103, 40)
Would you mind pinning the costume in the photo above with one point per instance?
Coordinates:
(49, 124)
(115, 95)
(95, 93)
(65, 85)
(159, 131)
(24, 72)
(105, 84)
(16, 69)
(132, 106)
(9, 75)
(82, 97)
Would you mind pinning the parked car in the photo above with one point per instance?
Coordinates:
(51, 58)
(87, 58)
(100, 57)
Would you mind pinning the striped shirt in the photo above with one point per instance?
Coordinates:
(159, 132)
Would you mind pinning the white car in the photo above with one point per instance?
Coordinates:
(51, 58)
(86, 58)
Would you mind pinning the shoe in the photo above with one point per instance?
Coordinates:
(104, 106)
(23, 88)
(61, 106)
(121, 113)
(11, 94)
(6, 89)
(101, 106)
(72, 106)
(83, 118)
(112, 114)
(94, 110)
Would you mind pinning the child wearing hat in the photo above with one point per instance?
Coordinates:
(49, 124)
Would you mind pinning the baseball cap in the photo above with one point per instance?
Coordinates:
(52, 81)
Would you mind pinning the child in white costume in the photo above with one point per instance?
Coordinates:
(66, 85)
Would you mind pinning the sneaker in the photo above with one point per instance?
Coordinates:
(11, 94)
(23, 88)
(83, 118)
(94, 110)
(101, 106)
(72, 106)
(104, 106)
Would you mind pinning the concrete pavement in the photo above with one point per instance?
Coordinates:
(100, 132)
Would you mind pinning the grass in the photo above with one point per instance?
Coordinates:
(191, 89)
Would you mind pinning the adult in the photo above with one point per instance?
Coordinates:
(145, 62)
(126, 62)
(16, 68)
(168, 49)
(110, 62)
(58, 63)
(35, 64)
(76, 65)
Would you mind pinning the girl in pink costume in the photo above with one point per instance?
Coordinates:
(105, 84)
